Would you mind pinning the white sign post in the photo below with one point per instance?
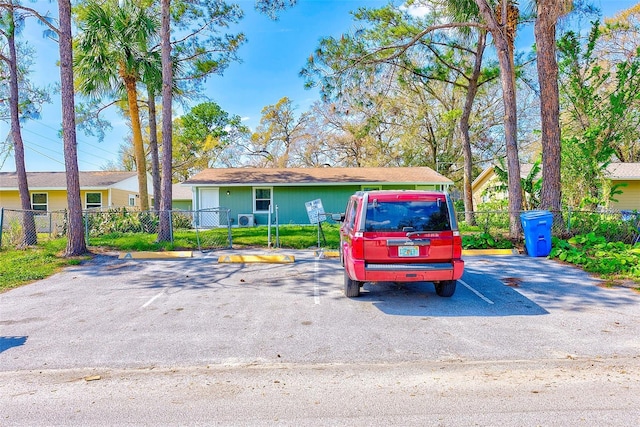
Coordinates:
(316, 214)
(315, 211)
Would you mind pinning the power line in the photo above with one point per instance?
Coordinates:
(60, 145)
(29, 145)
(77, 139)
(58, 141)
(43, 155)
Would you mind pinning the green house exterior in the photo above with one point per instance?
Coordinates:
(249, 193)
(181, 198)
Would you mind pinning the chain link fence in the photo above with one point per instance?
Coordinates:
(615, 226)
(211, 228)
(20, 228)
(208, 223)
(204, 229)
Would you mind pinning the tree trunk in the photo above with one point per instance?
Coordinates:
(76, 244)
(545, 34)
(138, 144)
(472, 90)
(505, 57)
(29, 233)
(164, 232)
(153, 148)
(508, 79)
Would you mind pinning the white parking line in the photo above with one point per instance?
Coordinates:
(146, 304)
(485, 299)
(316, 288)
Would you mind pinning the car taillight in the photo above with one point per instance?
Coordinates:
(357, 245)
(457, 245)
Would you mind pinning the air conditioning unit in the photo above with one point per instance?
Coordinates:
(245, 220)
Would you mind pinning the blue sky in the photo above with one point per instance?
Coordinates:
(271, 60)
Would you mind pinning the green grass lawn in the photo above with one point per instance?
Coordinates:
(20, 266)
(290, 237)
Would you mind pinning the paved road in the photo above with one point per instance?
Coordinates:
(524, 341)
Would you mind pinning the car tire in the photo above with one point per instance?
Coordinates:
(351, 287)
(446, 288)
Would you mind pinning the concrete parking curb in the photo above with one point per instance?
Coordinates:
(471, 252)
(274, 259)
(280, 259)
(327, 254)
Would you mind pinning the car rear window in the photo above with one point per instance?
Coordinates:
(407, 216)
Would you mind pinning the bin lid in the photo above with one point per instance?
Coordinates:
(535, 214)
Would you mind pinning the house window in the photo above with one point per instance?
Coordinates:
(262, 199)
(371, 187)
(40, 202)
(132, 199)
(93, 200)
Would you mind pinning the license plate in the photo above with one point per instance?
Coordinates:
(408, 251)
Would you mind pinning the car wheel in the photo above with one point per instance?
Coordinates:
(446, 288)
(351, 287)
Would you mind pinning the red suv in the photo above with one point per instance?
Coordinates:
(400, 236)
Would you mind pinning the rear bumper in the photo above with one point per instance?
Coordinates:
(411, 272)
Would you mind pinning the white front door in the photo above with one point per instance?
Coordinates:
(209, 198)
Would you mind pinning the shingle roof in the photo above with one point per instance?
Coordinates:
(55, 180)
(629, 171)
(181, 192)
(525, 169)
(620, 171)
(317, 176)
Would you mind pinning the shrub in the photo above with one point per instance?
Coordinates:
(485, 241)
(612, 226)
(596, 255)
(181, 220)
(120, 220)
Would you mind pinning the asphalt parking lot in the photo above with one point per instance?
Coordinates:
(192, 341)
(197, 311)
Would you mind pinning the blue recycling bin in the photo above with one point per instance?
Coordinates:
(537, 232)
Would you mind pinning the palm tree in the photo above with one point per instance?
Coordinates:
(114, 38)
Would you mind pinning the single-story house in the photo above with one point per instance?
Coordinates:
(628, 174)
(48, 190)
(299, 193)
(181, 198)
(488, 179)
(618, 173)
